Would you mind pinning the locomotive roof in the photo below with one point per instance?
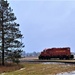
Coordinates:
(57, 48)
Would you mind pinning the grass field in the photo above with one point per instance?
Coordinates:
(41, 69)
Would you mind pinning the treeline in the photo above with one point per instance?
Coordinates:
(32, 54)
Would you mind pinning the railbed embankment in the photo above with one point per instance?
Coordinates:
(35, 59)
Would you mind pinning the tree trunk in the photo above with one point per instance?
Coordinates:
(2, 42)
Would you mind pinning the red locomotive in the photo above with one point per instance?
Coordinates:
(61, 53)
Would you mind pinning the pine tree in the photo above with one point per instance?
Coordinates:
(10, 34)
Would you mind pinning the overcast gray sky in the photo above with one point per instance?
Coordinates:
(45, 24)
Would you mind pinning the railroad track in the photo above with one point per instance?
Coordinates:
(57, 61)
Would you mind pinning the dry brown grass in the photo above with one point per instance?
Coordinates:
(9, 67)
(37, 69)
(45, 69)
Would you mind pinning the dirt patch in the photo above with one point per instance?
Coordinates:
(10, 67)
